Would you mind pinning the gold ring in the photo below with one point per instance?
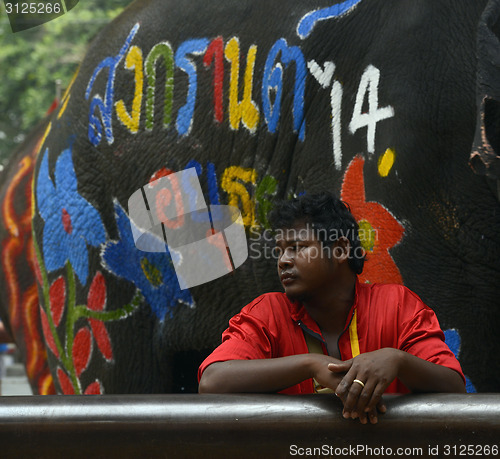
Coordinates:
(359, 382)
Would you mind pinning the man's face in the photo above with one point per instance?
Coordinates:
(305, 268)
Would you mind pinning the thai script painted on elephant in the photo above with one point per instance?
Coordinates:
(241, 112)
(245, 112)
(251, 195)
(308, 22)
(96, 125)
(235, 182)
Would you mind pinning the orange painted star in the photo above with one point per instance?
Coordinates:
(379, 229)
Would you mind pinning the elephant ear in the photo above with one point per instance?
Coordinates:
(489, 50)
(485, 157)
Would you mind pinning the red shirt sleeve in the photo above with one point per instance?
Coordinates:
(421, 335)
(247, 337)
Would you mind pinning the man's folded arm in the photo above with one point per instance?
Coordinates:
(266, 375)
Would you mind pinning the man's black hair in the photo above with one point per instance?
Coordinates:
(330, 218)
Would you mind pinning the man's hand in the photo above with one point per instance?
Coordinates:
(368, 375)
(320, 367)
(375, 371)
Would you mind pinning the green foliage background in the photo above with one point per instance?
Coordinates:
(33, 60)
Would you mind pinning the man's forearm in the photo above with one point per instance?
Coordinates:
(422, 376)
(262, 375)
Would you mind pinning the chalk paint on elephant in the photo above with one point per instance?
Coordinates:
(379, 229)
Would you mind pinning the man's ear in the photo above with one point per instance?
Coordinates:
(341, 249)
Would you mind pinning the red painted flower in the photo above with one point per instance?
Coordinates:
(379, 230)
(57, 301)
(93, 389)
(57, 296)
(96, 301)
(82, 349)
(65, 383)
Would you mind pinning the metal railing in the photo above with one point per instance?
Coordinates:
(241, 426)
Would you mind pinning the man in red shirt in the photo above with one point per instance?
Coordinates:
(372, 338)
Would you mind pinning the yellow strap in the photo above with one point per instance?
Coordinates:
(353, 335)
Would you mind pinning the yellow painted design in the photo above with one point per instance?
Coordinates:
(152, 273)
(386, 161)
(131, 121)
(245, 111)
(46, 385)
(367, 235)
(39, 147)
(10, 217)
(66, 96)
(231, 184)
(63, 108)
(46, 133)
(353, 335)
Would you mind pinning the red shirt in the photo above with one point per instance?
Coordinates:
(382, 315)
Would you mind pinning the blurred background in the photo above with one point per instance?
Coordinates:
(37, 64)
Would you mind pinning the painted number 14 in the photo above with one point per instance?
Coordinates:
(368, 89)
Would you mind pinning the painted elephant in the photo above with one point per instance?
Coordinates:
(374, 99)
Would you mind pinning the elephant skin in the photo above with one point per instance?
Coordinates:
(373, 99)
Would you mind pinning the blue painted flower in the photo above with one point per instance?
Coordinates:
(453, 340)
(152, 272)
(71, 223)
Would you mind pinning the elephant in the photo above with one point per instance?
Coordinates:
(257, 101)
